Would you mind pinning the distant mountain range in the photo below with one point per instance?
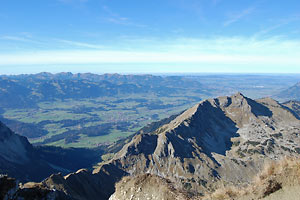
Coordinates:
(26, 90)
(61, 109)
(221, 141)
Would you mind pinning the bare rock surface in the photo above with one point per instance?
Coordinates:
(147, 186)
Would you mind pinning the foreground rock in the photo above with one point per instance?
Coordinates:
(10, 188)
(278, 180)
(85, 185)
(147, 186)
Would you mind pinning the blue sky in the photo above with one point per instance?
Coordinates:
(150, 36)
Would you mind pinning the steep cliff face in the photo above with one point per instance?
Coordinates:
(13, 148)
(19, 159)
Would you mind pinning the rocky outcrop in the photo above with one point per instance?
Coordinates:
(86, 185)
(10, 188)
(147, 186)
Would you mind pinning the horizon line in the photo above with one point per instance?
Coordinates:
(154, 73)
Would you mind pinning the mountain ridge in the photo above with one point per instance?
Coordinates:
(226, 140)
(197, 150)
(34, 88)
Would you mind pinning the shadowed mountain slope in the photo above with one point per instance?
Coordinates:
(292, 93)
(294, 106)
(19, 159)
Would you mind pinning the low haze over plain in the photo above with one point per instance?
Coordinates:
(156, 36)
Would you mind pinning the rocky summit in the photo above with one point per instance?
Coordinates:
(218, 142)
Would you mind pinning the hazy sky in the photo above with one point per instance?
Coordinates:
(150, 36)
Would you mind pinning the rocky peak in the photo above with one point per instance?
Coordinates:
(206, 127)
(238, 95)
(235, 105)
(201, 139)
